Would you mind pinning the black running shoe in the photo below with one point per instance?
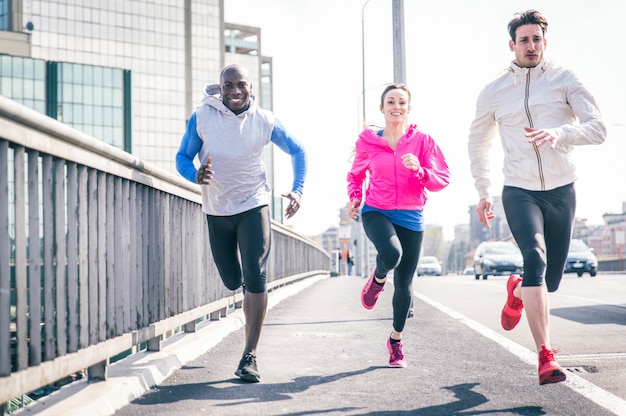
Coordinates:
(247, 370)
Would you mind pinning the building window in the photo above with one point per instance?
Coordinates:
(5, 21)
(24, 80)
(90, 99)
(241, 40)
(93, 99)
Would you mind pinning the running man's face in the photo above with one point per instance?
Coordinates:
(235, 90)
(528, 46)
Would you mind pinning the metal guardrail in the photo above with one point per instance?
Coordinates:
(100, 253)
(611, 264)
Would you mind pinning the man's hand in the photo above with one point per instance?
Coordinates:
(205, 174)
(541, 136)
(294, 204)
(484, 211)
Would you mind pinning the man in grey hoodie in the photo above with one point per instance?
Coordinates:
(227, 133)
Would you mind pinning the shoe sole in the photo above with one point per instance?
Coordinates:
(363, 302)
(502, 320)
(250, 378)
(363, 292)
(397, 365)
(556, 376)
(505, 308)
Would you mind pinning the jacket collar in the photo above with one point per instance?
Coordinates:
(520, 73)
(539, 69)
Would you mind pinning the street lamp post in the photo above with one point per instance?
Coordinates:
(398, 46)
(399, 65)
(363, 57)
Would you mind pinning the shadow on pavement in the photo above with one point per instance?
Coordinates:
(234, 392)
(238, 392)
(593, 315)
(467, 399)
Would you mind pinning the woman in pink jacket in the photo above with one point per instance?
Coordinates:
(401, 163)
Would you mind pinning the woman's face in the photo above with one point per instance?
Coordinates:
(395, 106)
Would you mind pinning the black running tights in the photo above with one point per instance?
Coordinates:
(398, 248)
(541, 223)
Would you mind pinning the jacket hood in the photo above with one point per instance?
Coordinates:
(372, 138)
(212, 89)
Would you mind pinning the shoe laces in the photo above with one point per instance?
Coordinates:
(375, 289)
(249, 359)
(396, 351)
(516, 303)
(547, 355)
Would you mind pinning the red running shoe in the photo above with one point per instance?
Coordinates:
(370, 292)
(512, 311)
(549, 370)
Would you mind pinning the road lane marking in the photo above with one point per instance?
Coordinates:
(607, 356)
(581, 386)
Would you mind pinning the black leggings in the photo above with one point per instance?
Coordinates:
(397, 248)
(541, 223)
(251, 232)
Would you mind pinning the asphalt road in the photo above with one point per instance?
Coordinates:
(321, 353)
(588, 320)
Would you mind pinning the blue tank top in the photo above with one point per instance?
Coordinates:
(410, 219)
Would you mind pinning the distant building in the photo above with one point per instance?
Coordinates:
(614, 233)
(462, 233)
(329, 239)
(499, 227)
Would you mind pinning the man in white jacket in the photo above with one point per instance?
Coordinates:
(541, 112)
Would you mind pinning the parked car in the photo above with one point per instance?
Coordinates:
(429, 265)
(581, 259)
(497, 258)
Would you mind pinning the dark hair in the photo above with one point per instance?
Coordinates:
(394, 86)
(529, 17)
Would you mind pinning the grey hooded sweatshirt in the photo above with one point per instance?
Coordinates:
(235, 144)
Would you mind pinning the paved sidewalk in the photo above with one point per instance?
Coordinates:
(322, 353)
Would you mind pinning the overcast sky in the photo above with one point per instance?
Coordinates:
(452, 48)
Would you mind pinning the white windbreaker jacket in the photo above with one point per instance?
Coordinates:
(544, 97)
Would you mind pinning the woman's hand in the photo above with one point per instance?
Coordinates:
(353, 209)
(410, 161)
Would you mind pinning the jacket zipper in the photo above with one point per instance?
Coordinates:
(395, 174)
(530, 122)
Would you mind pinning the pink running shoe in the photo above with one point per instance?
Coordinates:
(370, 292)
(512, 311)
(396, 356)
